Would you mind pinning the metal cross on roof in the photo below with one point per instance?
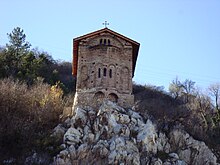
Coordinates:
(105, 23)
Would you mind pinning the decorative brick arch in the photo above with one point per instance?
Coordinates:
(106, 40)
(113, 97)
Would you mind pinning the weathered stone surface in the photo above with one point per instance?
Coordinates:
(58, 131)
(80, 115)
(104, 67)
(192, 151)
(72, 136)
(174, 155)
(147, 136)
(113, 135)
(35, 158)
(162, 143)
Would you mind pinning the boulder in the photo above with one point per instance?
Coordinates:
(72, 136)
(58, 132)
(147, 136)
(192, 151)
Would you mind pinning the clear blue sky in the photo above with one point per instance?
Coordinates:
(178, 37)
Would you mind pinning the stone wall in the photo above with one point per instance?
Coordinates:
(105, 65)
(95, 98)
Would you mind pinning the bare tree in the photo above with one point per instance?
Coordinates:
(175, 88)
(188, 89)
(214, 91)
(203, 105)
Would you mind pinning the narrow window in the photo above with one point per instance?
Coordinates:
(99, 73)
(100, 41)
(104, 41)
(104, 72)
(109, 42)
(110, 73)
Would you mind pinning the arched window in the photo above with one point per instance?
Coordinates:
(104, 41)
(104, 72)
(109, 42)
(100, 41)
(113, 97)
(110, 73)
(99, 72)
(99, 97)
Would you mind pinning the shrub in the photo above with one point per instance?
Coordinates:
(27, 114)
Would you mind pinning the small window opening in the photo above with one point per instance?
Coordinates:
(109, 42)
(104, 72)
(104, 41)
(110, 73)
(100, 41)
(99, 73)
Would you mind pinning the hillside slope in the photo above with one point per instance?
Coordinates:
(113, 135)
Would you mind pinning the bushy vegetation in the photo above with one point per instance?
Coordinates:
(32, 98)
(189, 109)
(28, 114)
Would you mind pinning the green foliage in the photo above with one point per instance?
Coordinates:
(15, 49)
(17, 42)
(19, 62)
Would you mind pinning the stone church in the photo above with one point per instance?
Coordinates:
(104, 64)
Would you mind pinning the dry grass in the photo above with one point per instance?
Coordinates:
(27, 114)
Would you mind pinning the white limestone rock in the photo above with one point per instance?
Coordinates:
(123, 151)
(174, 155)
(192, 151)
(63, 158)
(147, 136)
(124, 119)
(163, 143)
(82, 151)
(134, 114)
(58, 131)
(175, 162)
(72, 152)
(80, 115)
(72, 136)
(157, 161)
(112, 135)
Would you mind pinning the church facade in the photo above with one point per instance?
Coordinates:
(103, 64)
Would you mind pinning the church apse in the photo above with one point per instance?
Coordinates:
(104, 67)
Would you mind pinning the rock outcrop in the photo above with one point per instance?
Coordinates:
(113, 135)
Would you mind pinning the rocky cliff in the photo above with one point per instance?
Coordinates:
(113, 135)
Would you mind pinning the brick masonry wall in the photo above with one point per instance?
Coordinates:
(104, 70)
